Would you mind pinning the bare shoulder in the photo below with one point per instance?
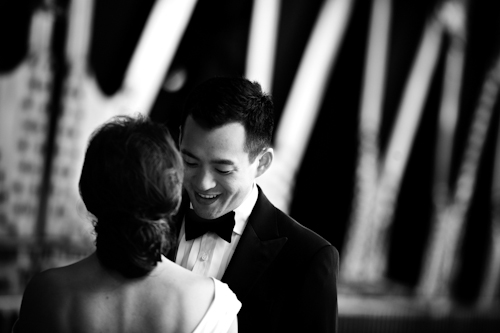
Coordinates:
(49, 282)
(65, 277)
(199, 297)
(189, 285)
(201, 287)
(46, 296)
(41, 299)
(196, 296)
(175, 298)
(197, 291)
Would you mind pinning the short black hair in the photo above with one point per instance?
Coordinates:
(131, 182)
(223, 100)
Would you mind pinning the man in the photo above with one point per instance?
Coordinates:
(283, 273)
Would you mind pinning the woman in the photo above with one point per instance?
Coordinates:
(131, 185)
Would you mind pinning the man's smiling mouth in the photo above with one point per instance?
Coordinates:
(207, 196)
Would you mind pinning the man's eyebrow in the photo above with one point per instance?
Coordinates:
(185, 152)
(216, 161)
(222, 161)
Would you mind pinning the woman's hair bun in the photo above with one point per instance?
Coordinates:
(131, 183)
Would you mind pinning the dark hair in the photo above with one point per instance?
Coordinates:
(131, 182)
(222, 100)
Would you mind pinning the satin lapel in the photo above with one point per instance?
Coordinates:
(258, 246)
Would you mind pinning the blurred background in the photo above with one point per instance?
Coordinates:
(387, 134)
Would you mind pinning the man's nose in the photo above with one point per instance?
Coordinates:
(205, 180)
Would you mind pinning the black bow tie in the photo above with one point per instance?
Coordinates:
(196, 226)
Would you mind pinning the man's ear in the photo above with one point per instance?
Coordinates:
(265, 159)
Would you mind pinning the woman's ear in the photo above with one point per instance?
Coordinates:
(265, 159)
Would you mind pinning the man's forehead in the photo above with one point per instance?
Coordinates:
(209, 127)
(234, 129)
(217, 144)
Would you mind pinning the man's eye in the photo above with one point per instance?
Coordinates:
(189, 164)
(223, 172)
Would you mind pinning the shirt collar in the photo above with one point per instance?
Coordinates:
(242, 213)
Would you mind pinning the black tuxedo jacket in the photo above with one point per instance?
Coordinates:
(284, 274)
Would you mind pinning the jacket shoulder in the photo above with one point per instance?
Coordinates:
(291, 228)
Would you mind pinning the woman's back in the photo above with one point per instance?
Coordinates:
(131, 184)
(85, 297)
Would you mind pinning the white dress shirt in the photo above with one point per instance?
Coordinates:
(209, 254)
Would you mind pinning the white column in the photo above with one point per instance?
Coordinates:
(368, 154)
(304, 101)
(262, 42)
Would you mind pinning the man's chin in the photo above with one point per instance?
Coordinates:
(206, 216)
(206, 213)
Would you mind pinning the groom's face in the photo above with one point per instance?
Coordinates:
(218, 174)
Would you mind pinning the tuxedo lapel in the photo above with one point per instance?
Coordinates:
(258, 246)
